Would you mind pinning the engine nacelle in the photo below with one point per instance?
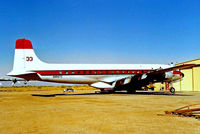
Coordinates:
(174, 75)
(168, 75)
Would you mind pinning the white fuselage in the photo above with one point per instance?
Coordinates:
(91, 73)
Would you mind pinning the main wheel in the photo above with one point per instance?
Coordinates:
(172, 90)
(131, 91)
(152, 88)
(111, 91)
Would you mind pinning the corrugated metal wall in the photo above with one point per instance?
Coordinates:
(191, 81)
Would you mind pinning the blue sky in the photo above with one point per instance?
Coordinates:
(101, 31)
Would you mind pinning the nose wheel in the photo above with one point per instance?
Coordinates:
(169, 87)
(172, 90)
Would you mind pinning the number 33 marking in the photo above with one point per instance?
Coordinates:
(29, 58)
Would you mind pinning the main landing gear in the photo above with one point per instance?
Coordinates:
(131, 91)
(107, 90)
(68, 89)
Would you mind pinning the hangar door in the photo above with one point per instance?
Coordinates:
(187, 82)
(196, 78)
(191, 81)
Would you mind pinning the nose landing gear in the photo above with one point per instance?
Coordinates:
(172, 90)
(169, 87)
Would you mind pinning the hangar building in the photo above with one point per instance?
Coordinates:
(191, 80)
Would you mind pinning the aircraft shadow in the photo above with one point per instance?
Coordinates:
(54, 95)
(137, 93)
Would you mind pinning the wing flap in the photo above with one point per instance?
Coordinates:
(101, 85)
(114, 78)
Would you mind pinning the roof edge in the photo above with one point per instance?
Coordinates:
(187, 61)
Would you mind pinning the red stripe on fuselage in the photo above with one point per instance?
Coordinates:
(91, 72)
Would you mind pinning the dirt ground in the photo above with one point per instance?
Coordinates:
(87, 112)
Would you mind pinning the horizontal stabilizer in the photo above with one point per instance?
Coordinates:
(27, 76)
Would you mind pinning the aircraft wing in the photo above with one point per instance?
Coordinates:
(157, 71)
(136, 80)
(158, 75)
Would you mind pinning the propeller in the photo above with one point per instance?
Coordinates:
(14, 81)
(25, 82)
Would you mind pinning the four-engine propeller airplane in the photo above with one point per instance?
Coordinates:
(110, 77)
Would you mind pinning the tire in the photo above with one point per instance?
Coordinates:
(111, 91)
(172, 90)
(152, 88)
(131, 91)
